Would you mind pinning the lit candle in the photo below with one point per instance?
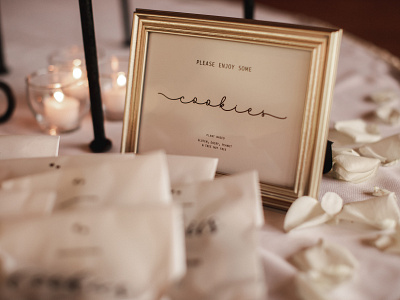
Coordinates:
(77, 71)
(114, 98)
(79, 90)
(62, 111)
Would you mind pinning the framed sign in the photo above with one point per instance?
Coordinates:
(256, 95)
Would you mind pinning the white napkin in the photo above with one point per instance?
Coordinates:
(359, 130)
(387, 150)
(18, 146)
(322, 268)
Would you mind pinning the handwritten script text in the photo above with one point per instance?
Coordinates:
(221, 105)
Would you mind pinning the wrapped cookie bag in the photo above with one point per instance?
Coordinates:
(221, 220)
(104, 253)
(144, 179)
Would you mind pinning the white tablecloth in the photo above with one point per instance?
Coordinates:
(34, 29)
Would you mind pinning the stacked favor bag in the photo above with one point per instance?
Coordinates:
(120, 226)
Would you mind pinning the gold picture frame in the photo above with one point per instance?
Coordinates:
(256, 95)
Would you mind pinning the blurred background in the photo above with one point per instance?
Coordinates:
(376, 21)
(32, 30)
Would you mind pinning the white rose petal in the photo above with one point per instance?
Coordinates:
(378, 212)
(326, 265)
(388, 114)
(384, 96)
(340, 150)
(356, 164)
(359, 131)
(342, 174)
(305, 212)
(380, 192)
(387, 150)
(331, 203)
(366, 151)
(387, 242)
(384, 241)
(353, 168)
(307, 289)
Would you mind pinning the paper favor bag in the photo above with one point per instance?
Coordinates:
(21, 202)
(143, 179)
(182, 169)
(18, 146)
(190, 169)
(19, 167)
(100, 254)
(221, 219)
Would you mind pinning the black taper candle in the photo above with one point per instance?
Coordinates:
(248, 9)
(126, 21)
(3, 68)
(100, 142)
(328, 163)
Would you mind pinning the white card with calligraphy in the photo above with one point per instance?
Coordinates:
(213, 90)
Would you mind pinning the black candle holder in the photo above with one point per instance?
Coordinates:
(3, 68)
(100, 142)
(11, 103)
(248, 9)
(126, 13)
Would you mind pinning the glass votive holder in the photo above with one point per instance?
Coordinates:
(113, 74)
(57, 99)
(72, 57)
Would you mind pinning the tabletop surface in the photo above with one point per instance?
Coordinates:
(31, 31)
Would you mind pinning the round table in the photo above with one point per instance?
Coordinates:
(32, 31)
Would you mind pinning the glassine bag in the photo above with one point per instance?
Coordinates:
(143, 179)
(21, 202)
(102, 254)
(182, 169)
(221, 219)
(190, 169)
(20, 167)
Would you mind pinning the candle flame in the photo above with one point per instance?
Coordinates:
(121, 80)
(59, 96)
(77, 73)
(76, 62)
(114, 63)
